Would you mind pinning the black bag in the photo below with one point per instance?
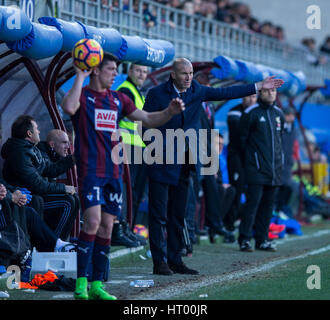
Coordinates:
(14, 244)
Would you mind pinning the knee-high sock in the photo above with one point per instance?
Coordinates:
(100, 257)
(85, 247)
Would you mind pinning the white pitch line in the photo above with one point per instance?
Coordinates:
(303, 237)
(123, 252)
(177, 289)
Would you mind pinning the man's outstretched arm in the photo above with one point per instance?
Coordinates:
(157, 118)
(269, 83)
(234, 92)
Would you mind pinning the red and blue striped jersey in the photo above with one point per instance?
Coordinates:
(96, 131)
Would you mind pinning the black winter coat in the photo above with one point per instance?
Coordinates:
(25, 166)
(261, 128)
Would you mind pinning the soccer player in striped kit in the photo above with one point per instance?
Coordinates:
(95, 111)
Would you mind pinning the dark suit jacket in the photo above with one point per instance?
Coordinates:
(158, 99)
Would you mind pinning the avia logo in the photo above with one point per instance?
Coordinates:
(116, 197)
(105, 120)
(106, 116)
(262, 119)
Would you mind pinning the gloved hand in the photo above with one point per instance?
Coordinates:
(27, 193)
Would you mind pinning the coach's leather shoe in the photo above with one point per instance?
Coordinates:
(266, 246)
(162, 269)
(182, 269)
(118, 238)
(245, 246)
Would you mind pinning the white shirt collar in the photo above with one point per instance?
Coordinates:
(177, 90)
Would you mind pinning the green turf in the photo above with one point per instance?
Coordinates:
(288, 282)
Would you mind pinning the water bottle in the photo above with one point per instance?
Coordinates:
(26, 270)
(4, 295)
(142, 283)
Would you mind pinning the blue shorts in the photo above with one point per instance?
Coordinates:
(106, 192)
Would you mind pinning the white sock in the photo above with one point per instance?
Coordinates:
(59, 244)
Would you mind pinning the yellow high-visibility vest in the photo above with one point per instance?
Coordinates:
(132, 137)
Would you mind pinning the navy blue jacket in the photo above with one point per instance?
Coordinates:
(158, 99)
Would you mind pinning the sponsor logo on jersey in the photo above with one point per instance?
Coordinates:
(105, 120)
(90, 197)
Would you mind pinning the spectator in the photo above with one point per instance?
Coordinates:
(176, 4)
(13, 208)
(56, 146)
(222, 10)
(42, 237)
(261, 147)
(266, 29)
(242, 11)
(279, 34)
(188, 8)
(325, 48)
(208, 9)
(54, 149)
(254, 25)
(312, 56)
(317, 156)
(198, 8)
(150, 19)
(125, 5)
(24, 166)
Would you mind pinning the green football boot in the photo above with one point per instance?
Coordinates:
(98, 293)
(81, 292)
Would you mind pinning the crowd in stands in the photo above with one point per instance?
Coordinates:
(233, 13)
(315, 56)
(236, 14)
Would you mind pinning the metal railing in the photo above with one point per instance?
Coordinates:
(196, 38)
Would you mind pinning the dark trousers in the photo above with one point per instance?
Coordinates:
(212, 206)
(138, 177)
(236, 179)
(191, 210)
(257, 212)
(167, 207)
(41, 236)
(283, 195)
(139, 174)
(37, 203)
(60, 211)
(226, 201)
